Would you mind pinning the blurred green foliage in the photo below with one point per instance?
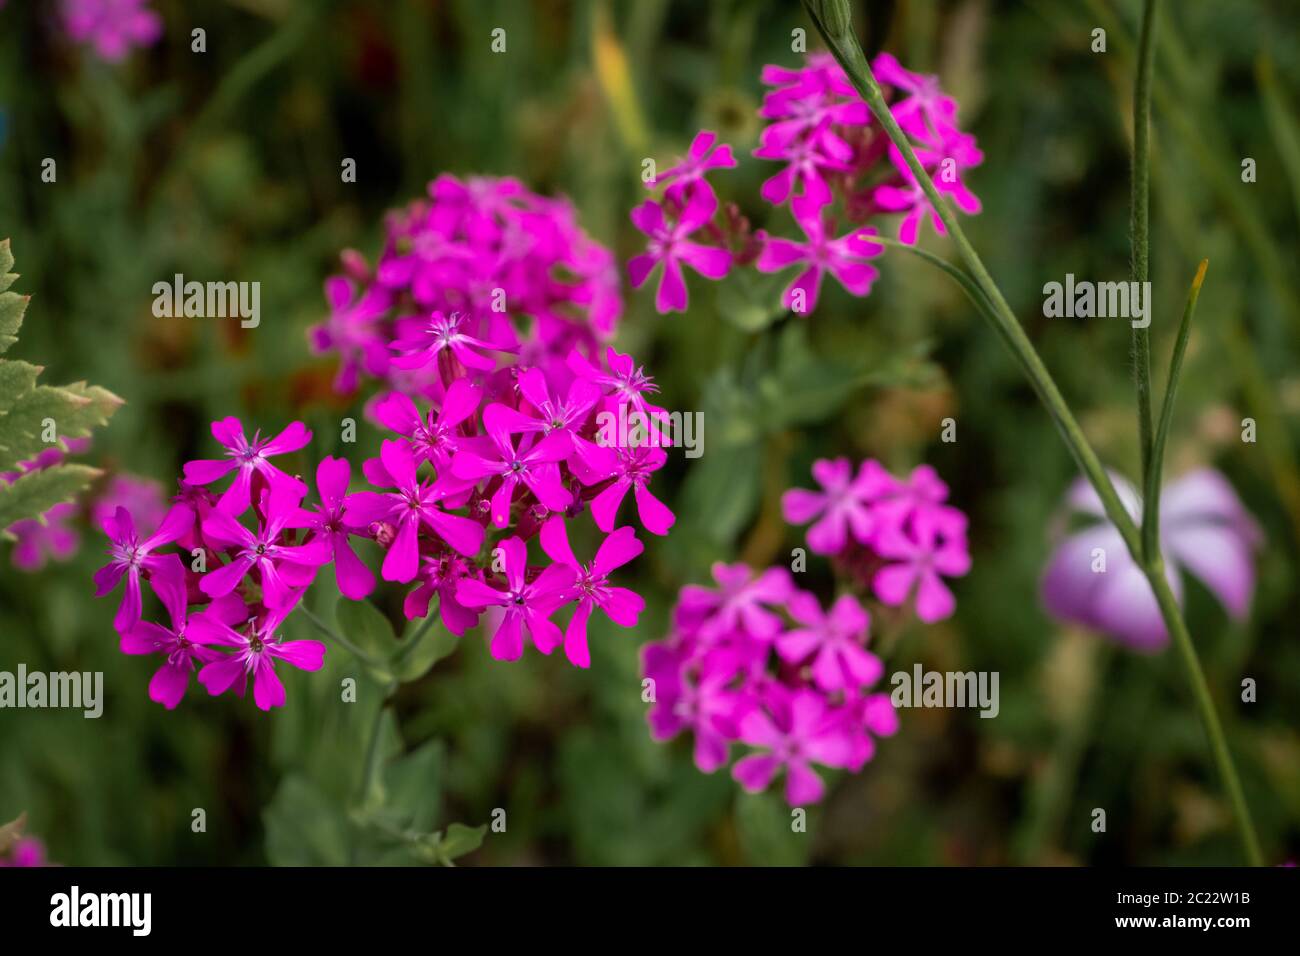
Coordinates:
(226, 165)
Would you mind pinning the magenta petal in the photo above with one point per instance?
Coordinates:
(755, 772)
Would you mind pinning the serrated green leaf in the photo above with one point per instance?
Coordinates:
(12, 307)
(6, 263)
(36, 492)
(74, 409)
(16, 380)
(460, 840)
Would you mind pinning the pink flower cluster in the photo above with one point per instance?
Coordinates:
(896, 535)
(112, 27)
(52, 535)
(486, 456)
(759, 662)
(459, 269)
(833, 155)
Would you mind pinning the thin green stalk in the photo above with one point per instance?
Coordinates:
(1140, 225)
(831, 18)
(1151, 492)
(335, 636)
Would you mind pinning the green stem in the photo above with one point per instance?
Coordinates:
(1140, 217)
(1151, 492)
(831, 19)
(335, 636)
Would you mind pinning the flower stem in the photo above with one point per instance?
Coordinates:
(1139, 224)
(334, 635)
(832, 21)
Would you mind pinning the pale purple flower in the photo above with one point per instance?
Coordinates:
(1204, 529)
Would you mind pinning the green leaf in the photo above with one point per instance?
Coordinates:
(751, 300)
(413, 788)
(12, 307)
(418, 652)
(765, 826)
(365, 625)
(38, 491)
(721, 491)
(16, 380)
(74, 409)
(460, 840)
(303, 827)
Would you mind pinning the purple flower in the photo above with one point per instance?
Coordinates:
(45, 538)
(421, 341)
(923, 553)
(845, 258)
(412, 504)
(591, 588)
(844, 506)
(433, 439)
(528, 604)
(28, 851)
(282, 569)
(795, 729)
(589, 462)
(130, 557)
(670, 246)
(254, 655)
(632, 471)
(685, 700)
(833, 641)
(438, 575)
(112, 27)
(1092, 579)
(742, 602)
(182, 655)
(687, 177)
(532, 465)
(327, 522)
(250, 458)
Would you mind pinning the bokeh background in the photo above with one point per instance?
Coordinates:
(225, 165)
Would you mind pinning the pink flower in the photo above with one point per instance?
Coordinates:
(843, 506)
(438, 575)
(1204, 528)
(910, 199)
(591, 587)
(48, 537)
(796, 729)
(250, 458)
(924, 553)
(283, 569)
(433, 439)
(845, 258)
(688, 176)
(742, 602)
(421, 341)
(528, 605)
(632, 472)
(140, 496)
(254, 654)
(588, 462)
(922, 493)
(353, 330)
(182, 656)
(670, 246)
(27, 852)
(926, 111)
(411, 506)
(130, 557)
(327, 523)
(112, 27)
(684, 700)
(532, 465)
(834, 642)
(625, 383)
